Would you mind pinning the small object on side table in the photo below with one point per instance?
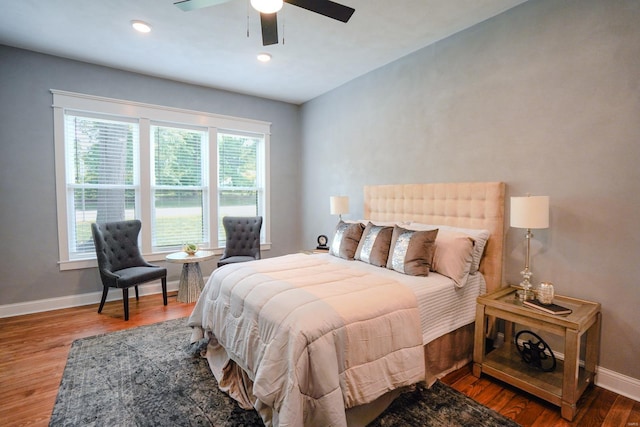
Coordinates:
(546, 293)
(535, 352)
(190, 248)
(322, 243)
(525, 294)
(547, 308)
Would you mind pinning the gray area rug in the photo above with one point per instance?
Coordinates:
(151, 376)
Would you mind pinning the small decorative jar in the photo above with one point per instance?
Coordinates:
(546, 293)
(190, 248)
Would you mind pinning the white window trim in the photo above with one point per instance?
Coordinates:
(147, 113)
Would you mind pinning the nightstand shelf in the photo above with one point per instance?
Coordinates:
(563, 386)
(506, 365)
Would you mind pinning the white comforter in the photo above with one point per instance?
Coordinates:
(314, 336)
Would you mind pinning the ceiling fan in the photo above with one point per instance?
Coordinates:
(268, 9)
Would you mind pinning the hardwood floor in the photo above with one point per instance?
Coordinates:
(596, 407)
(34, 349)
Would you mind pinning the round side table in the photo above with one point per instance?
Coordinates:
(191, 282)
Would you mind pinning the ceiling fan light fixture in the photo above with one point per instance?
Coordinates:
(264, 57)
(267, 6)
(141, 26)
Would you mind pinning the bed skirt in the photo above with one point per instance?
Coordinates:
(448, 353)
(442, 355)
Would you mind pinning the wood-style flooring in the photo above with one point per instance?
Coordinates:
(34, 350)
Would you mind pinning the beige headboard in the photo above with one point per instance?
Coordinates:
(469, 205)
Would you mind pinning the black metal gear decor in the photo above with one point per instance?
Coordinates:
(535, 351)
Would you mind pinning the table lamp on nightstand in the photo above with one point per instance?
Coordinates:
(339, 205)
(529, 212)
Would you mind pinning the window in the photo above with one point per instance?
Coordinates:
(100, 175)
(179, 186)
(240, 180)
(178, 171)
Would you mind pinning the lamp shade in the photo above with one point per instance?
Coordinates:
(339, 205)
(530, 212)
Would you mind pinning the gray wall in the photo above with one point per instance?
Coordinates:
(28, 227)
(545, 97)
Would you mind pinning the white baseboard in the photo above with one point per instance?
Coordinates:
(618, 383)
(605, 378)
(49, 304)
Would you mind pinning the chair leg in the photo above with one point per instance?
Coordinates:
(137, 298)
(105, 291)
(164, 290)
(125, 300)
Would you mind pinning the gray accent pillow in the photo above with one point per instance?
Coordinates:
(374, 245)
(453, 255)
(345, 240)
(412, 251)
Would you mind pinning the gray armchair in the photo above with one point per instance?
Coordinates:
(120, 262)
(243, 239)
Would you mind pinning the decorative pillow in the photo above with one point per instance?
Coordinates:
(374, 245)
(412, 251)
(345, 240)
(453, 256)
(479, 237)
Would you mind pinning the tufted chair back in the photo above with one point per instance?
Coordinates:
(243, 239)
(117, 245)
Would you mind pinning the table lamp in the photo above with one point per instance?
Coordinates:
(530, 212)
(339, 205)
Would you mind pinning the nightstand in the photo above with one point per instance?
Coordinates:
(316, 251)
(563, 386)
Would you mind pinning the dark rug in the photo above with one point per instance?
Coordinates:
(151, 376)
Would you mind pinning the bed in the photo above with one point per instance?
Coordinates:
(332, 339)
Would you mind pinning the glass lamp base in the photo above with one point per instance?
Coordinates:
(525, 294)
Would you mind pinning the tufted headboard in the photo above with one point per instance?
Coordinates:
(477, 205)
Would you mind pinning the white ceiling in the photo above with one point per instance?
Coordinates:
(210, 46)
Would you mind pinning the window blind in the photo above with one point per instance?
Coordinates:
(179, 187)
(240, 182)
(101, 176)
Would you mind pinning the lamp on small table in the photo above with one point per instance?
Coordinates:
(530, 212)
(339, 205)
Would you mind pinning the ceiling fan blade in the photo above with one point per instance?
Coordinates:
(269, 22)
(188, 5)
(325, 7)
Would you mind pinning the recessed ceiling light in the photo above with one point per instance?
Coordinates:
(264, 57)
(141, 26)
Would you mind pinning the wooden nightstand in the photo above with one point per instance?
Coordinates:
(564, 385)
(315, 251)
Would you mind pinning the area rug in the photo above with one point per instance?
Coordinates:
(151, 376)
